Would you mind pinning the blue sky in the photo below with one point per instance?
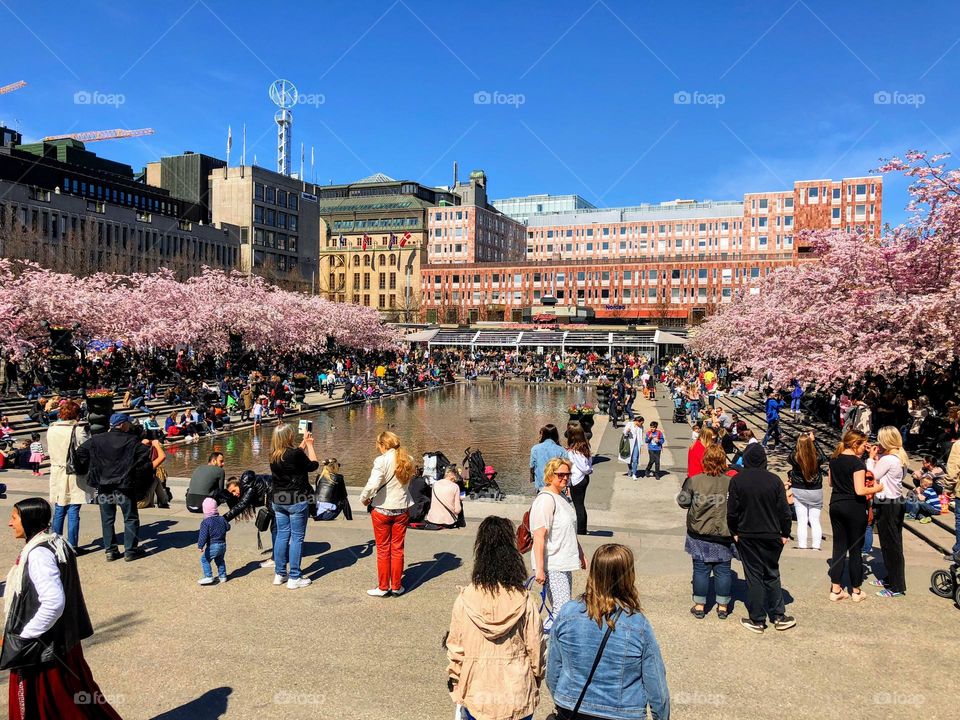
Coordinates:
(621, 102)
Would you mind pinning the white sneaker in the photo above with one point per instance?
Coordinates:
(298, 583)
(398, 591)
(267, 563)
(279, 579)
(377, 592)
(205, 581)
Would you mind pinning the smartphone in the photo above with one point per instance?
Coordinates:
(305, 426)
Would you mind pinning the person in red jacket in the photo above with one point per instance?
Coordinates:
(696, 451)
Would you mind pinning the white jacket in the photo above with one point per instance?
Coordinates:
(391, 494)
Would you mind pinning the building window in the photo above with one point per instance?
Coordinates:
(271, 195)
(258, 191)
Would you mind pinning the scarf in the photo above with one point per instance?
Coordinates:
(15, 578)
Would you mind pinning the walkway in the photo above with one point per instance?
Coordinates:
(248, 649)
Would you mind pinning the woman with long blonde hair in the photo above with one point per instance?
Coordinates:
(290, 465)
(888, 463)
(606, 627)
(388, 498)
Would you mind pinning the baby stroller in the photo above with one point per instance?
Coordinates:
(480, 481)
(679, 409)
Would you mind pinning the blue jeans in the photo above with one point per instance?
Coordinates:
(868, 540)
(773, 433)
(795, 404)
(291, 521)
(918, 510)
(214, 552)
(108, 502)
(71, 513)
(701, 581)
(635, 460)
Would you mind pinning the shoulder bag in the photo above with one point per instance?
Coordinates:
(596, 662)
(459, 520)
(71, 461)
(524, 534)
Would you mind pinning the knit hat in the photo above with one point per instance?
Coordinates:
(209, 507)
(754, 456)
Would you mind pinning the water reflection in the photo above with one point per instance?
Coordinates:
(502, 421)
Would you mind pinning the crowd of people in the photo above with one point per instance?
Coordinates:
(736, 508)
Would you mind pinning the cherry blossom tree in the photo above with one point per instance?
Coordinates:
(864, 306)
(157, 311)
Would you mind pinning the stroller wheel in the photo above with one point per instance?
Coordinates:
(941, 582)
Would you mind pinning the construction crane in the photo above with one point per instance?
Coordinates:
(95, 135)
(12, 86)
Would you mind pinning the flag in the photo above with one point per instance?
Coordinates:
(342, 241)
(366, 239)
(393, 240)
(404, 239)
(229, 139)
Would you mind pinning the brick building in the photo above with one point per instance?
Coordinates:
(677, 260)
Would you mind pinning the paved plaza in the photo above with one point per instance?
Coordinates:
(168, 649)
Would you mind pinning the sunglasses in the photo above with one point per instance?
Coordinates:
(563, 476)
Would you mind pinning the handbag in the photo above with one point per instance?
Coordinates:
(20, 653)
(382, 486)
(71, 462)
(459, 520)
(264, 519)
(624, 449)
(596, 662)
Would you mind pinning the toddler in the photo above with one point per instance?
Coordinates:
(927, 501)
(212, 543)
(36, 453)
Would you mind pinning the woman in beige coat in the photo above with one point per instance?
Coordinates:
(67, 492)
(495, 644)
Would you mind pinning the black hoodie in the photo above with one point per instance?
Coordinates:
(757, 502)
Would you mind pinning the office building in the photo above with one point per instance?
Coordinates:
(678, 260)
(67, 209)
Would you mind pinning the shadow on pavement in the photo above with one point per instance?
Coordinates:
(426, 570)
(244, 570)
(211, 705)
(117, 626)
(154, 540)
(338, 559)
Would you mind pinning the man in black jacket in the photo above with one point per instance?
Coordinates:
(117, 464)
(759, 520)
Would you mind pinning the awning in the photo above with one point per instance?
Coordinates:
(421, 336)
(665, 338)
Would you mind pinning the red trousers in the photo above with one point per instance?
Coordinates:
(389, 532)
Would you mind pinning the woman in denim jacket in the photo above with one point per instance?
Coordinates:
(630, 676)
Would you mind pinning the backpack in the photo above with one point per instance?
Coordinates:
(524, 536)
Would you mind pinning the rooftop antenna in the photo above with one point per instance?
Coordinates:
(283, 93)
(454, 174)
